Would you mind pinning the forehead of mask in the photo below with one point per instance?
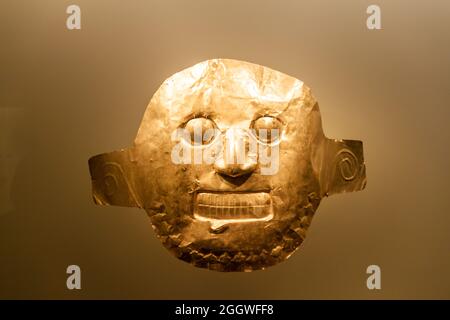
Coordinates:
(231, 93)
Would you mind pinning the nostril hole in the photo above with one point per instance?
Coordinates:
(236, 181)
(235, 171)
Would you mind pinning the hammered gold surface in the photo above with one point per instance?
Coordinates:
(230, 217)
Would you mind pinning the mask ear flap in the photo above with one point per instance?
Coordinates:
(110, 183)
(344, 169)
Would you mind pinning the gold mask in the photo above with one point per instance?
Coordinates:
(229, 215)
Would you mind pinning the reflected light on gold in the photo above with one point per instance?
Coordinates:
(222, 215)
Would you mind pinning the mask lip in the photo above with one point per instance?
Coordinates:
(217, 223)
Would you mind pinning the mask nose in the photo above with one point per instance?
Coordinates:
(236, 159)
(234, 170)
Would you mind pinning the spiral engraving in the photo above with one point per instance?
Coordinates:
(115, 185)
(110, 184)
(347, 164)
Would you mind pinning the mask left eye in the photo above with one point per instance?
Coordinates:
(267, 129)
(201, 131)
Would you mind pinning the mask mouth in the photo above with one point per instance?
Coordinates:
(220, 208)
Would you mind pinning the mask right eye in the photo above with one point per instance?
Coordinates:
(201, 131)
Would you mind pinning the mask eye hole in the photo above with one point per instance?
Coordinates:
(200, 131)
(267, 129)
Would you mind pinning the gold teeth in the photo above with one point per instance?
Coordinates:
(233, 205)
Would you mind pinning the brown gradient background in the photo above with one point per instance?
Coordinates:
(67, 95)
